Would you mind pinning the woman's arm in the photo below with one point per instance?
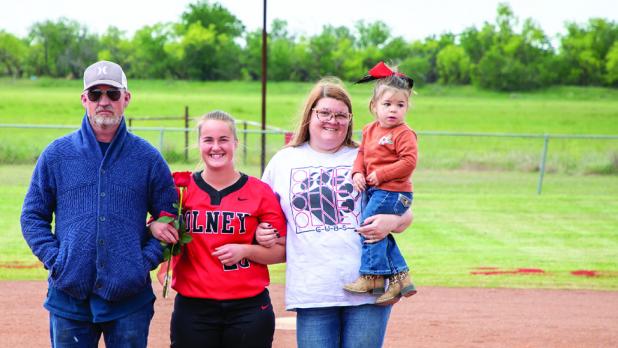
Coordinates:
(267, 256)
(377, 227)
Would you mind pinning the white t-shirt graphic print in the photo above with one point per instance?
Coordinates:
(322, 200)
(322, 211)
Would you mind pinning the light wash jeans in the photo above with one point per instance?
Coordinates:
(384, 257)
(342, 327)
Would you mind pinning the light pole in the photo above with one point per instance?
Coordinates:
(264, 60)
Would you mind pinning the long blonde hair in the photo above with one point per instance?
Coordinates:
(329, 87)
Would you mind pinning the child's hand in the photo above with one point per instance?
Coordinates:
(372, 179)
(358, 180)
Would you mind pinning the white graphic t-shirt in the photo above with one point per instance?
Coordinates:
(322, 209)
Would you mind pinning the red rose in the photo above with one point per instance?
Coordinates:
(181, 179)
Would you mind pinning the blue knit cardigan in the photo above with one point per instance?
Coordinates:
(98, 204)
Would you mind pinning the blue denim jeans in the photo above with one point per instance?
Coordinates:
(342, 327)
(129, 331)
(384, 257)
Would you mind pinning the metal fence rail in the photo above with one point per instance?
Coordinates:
(545, 138)
(244, 131)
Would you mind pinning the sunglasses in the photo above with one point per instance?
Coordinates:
(95, 94)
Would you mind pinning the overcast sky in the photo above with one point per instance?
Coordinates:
(411, 19)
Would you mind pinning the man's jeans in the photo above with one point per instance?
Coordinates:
(342, 327)
(130, 331)
(384, 257)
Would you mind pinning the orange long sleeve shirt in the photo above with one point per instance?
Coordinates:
(391, 153)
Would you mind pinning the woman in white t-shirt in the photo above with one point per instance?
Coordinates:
(311, 176)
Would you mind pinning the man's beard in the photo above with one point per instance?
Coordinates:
(105, 121)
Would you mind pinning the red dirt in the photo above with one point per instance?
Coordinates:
(435, 317)
(585, 273)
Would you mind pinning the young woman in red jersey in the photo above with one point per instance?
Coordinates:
(221, 275)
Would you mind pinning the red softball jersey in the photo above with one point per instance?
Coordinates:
(215, 218)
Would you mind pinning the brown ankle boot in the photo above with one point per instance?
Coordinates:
(367, 283)
(398, 285)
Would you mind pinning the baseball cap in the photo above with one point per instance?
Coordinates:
(105, 73)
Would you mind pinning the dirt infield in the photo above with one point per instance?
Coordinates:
(435, 317)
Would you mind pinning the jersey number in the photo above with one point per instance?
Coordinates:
(244, 263)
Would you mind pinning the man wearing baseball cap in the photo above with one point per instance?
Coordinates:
(97, 185)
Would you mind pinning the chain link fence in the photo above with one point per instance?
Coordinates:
(541, 153)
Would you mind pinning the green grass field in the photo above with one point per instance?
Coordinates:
(475, 198)
(463, 220)
(559, 110)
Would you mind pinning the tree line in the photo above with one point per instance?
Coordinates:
(211, 43)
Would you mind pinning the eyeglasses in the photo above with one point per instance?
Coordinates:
(95, 94)
(327, 115)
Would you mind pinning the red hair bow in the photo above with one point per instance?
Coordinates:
(380, 71)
